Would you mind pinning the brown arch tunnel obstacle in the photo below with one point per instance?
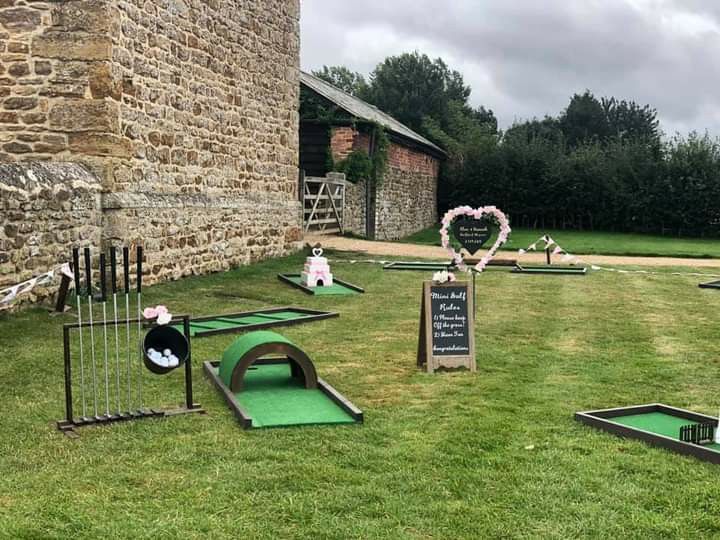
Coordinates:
(253, 346)
(267, 381)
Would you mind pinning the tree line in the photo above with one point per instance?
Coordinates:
(600, 164)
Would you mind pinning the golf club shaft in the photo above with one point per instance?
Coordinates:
(78, 293)
(139, 318)
(103, 297)
(126, 276)
(113, 282)
(127, 344)
(88, 275)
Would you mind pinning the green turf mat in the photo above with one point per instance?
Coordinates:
(335, 288)
(222, 323)
(659, 423)
(241, 321)
(285, 315)
(195, 328)
(273, 398)
(549, 270)
(417, 266)
(215, 324)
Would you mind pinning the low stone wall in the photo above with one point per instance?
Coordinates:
(406, 202)
(182, 237)
(355, 208)
(45, 209)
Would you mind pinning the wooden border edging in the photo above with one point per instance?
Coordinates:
(602, 419)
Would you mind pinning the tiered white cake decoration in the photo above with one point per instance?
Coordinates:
(317, 271)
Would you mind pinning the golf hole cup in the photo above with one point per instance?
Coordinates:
(159, 340)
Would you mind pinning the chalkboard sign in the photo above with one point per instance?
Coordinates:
(446, 326)
(472, 233)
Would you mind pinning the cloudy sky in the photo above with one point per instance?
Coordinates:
(525, 58)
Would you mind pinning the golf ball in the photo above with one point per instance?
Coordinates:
(167, 352)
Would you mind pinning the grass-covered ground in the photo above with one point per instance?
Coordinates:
(598, 243)
(494, 454)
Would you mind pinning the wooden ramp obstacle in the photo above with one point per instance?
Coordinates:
(267, 381)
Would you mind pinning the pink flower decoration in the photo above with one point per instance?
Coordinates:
(476, 213)
(161, 309)
(150, 313)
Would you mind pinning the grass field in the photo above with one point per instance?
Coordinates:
(494, 454)
(599, 243)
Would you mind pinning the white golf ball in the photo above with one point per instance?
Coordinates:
(167, 352)
(151, 351)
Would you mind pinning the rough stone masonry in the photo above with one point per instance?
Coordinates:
(182, 112)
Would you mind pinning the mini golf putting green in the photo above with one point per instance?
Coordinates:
(254, 320)
(272, 397)
(439, 266)
(710, 285)
(545, 269)
(419, 266)
(267, 381)
(337, 288)
(656, 424)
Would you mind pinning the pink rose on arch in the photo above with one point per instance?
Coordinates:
(476, 213)
(150, 313)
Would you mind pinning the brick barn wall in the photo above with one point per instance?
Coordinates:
(406, 200)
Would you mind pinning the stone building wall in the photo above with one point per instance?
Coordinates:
(185, 110)
(46, 208)
(405, 200)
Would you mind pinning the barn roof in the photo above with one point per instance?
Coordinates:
(363, 110)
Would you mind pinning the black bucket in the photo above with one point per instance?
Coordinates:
(165, 337)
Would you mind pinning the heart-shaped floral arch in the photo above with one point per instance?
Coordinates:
(476, 213)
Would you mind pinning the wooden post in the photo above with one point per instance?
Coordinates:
(62, 293)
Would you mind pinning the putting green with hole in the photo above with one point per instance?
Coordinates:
(334, 289)
(569, 270)
(658, 423)
(273, 398)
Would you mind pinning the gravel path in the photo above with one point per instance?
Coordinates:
(397, 249)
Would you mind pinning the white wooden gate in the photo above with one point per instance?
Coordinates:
(323, 204)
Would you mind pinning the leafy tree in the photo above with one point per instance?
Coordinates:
(411, 87)
(346, 80)
(628, 120)
(584, 120)
(599, 164)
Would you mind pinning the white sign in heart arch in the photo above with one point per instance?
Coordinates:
(476, 213)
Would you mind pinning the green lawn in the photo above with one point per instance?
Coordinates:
(494, 454)
(599, 243)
